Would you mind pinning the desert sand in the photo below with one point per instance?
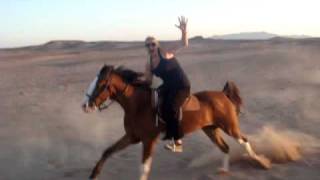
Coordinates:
(46, 136)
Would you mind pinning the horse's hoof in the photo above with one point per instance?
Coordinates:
(223, 172)
(264, 162)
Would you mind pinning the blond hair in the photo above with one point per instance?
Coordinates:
(152, 39)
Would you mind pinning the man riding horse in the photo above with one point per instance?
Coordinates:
(176, 86)
(218, 110)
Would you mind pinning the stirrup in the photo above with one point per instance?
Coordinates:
(173, 147)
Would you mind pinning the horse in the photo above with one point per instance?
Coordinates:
(218, 111)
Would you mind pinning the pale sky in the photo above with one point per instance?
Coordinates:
(29, 22)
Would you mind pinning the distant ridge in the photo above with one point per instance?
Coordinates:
(61, 44)
(298, 36)
(246, 36)
(78, 45)
(255, 36)
(197, 38)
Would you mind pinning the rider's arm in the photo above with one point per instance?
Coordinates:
(148, 74)
(170, 49)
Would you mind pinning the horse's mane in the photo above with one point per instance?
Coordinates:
(129, 76)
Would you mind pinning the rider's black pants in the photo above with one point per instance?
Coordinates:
(173, 99)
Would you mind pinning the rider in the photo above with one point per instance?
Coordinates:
(176, 86)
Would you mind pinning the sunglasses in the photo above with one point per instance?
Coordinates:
(150, 45)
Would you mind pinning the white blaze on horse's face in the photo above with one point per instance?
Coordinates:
(90, 90)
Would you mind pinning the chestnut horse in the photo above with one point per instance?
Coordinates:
(218, 110)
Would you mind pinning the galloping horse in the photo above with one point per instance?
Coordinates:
(218, 110)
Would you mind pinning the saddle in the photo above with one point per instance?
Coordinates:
(190, 104)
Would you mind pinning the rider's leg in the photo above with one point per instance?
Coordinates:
(178, 100)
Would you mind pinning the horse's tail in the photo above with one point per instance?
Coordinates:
(232, 92)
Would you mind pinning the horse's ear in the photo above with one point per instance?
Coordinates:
(117, 67)
(140, 74)
(108, 67)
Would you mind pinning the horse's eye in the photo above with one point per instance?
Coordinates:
(101, 84)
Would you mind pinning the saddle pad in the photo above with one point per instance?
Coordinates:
(191, 104)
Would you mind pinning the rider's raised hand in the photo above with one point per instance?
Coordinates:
(182, 23)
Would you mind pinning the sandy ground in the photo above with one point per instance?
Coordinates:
(45, 135)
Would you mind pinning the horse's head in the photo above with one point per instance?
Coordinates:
(99, 90)
(110, 83)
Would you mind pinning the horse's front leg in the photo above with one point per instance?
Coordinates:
(119, 145)
(148, 148)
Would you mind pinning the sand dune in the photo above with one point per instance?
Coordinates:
(45, 135)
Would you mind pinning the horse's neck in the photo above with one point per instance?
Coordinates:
(133, 98)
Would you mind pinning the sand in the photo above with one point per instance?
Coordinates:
(46, 136)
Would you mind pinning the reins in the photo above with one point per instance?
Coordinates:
(100, 108)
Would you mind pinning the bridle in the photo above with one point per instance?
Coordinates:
(107, 85)
(106, 106)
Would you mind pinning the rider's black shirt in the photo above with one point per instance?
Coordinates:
(170, 71)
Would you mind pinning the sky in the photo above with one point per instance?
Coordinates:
(29, 22)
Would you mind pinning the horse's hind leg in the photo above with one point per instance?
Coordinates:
(119, 145)
(214, 134)
(262, 160)
(242, 140)
(235, 132)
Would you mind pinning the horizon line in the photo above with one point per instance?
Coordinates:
(135, 40)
